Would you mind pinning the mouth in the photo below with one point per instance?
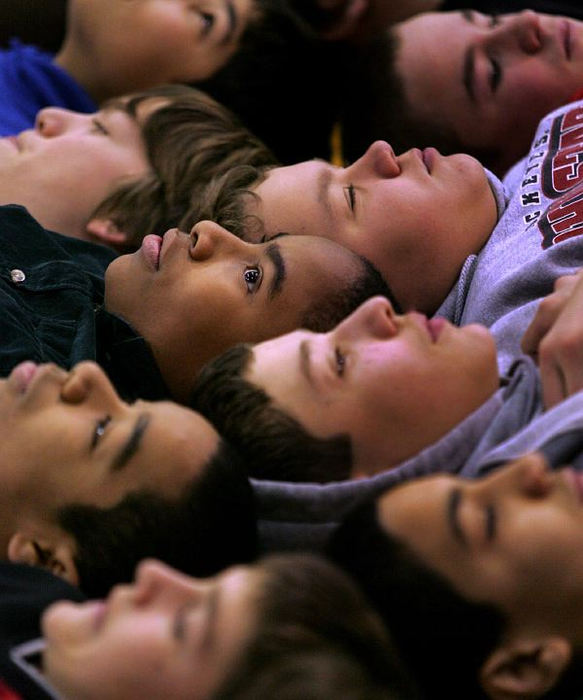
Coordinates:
(435, 327)
(429, 156)
(22, 375)
(151, 249)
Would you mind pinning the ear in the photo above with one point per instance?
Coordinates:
(525, 669)
(107, 232)
(54, 555)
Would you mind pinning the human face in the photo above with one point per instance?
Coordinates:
(393, 383)
(192, 297)
(396, 211)
(167, 635)
(491, 78)
(501, 539)
(171, 41)
(68, 438)
(64, 167)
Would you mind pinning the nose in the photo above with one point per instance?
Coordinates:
(208, 239)
(156, 581)
(88, 382)
(529, 476)
(375, 319)
(53, 121)
(379, 160)
(521, 31)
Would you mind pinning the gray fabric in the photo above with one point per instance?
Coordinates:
(529, 247)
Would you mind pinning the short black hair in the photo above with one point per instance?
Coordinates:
(210, 526)
(443, 637)
(273, 444)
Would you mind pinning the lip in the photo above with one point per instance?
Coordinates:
(575, 481)
(151, 248)
(13, 141)
(435, 327)
(167, 241)
(22, 375)
(429, 156)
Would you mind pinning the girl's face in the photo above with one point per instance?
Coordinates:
(166, 635)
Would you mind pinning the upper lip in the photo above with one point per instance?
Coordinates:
(421, 321)
(575, 482)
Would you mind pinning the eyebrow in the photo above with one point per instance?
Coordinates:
(305, 361)
(453, 507)
(273, 252)
(132, 444)
(232, 18)
(322, 190)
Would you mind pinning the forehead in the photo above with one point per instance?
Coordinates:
(177, 445)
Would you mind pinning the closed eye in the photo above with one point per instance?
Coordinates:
(349, 193)
(99, 127)
(208, 22)
(340, 361)
(495, 74)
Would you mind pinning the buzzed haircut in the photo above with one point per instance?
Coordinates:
(212, 525)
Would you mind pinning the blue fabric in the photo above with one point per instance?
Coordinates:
(29, 81)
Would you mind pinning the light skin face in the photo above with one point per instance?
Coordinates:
(393, 383)
(166, 635)
(68, 438)
(395, 211)
(64, 167)
(171, 41)
(491, 78)
(198, 295)
(501, 539)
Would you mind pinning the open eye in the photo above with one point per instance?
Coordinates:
(208, 22)
(340, 361)
(253, 276)
(99, 430)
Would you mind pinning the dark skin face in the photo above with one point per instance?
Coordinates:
(192, 297)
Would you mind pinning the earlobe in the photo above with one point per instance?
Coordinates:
(107, 232)
(57, 557)
(525, 669)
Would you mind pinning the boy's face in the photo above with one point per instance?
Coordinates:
(394, 384)
(165, 636)
(514, 538)
(135, 44)
(490, 78)
(192, 297)
(68, 438)
(416, 217)
(64, 167)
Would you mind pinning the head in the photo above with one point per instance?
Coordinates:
(482, 82)
(250, 632)
(170, 42)
(132, 168)
(90, 484)
(194, 296)
(371, 393)
(394, 210)
(470, 568)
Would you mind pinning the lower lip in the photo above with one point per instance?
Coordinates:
(22, 375)
(151, 246)
(435, 327)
